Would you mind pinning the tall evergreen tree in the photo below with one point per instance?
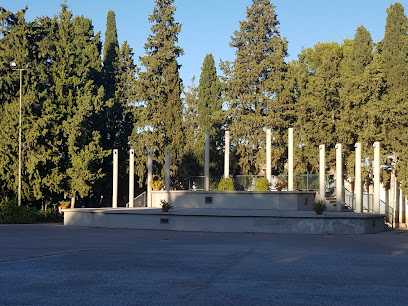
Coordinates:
(319, 104)
(78, 102)
(110, 55)
(118, 74)
(254, 86)
(210, 115)
(355, 94)
(393, 110)
(159, 118)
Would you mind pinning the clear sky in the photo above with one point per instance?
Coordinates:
(207, 25)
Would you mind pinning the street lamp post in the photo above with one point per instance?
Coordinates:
(14, 67)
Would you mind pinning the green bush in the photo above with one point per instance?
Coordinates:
(262, 184)
(319, 206)
(11, 213)
(226, 184)
(51, 215)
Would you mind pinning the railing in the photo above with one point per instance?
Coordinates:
(304, 182)
(388, 211)
(348, 198)
(140, 200)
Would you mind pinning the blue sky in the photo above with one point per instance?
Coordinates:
(207, 25)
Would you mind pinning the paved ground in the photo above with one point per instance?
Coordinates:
(57, 265)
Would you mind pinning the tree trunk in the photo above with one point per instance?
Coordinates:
(72, 202)
(392, 181)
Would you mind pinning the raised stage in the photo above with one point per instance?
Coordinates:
(227, 220)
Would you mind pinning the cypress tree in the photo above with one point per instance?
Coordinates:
(158, 118)
(393, 112)
(78, 102)
(318, 104)
(254, 86)
(209, 115)
(110, 55)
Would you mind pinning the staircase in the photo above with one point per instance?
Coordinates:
(331, 203)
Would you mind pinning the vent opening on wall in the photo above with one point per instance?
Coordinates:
(164, 221)
(208, 200)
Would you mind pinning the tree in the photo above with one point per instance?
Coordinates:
(159, 115)
(254, 86)
(118, 75)
(392, 111)
(318, 103)
(78, 101)
(210, 115)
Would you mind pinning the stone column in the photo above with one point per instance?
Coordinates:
(115, 179)
(322, 173)
(268, 155)
(131, 178)
(207, 162)
(149, 177)
(376, 191)
(339, 176)
(358, 190)
(397, 204)
(290, 159)
(226, 154)
(167, 177)
(387, 201)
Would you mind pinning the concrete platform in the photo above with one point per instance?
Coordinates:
(227, 220)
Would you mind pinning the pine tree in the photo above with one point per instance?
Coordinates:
(254, 86)
(158, 118)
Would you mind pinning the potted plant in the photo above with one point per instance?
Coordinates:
(262, 184)
(319, 207)
(64, 204)
(280, 185)
(226, 184)
(165, 205)
(157, 184)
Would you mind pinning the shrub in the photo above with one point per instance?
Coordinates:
(226, 184)
(319, 206)
(262, 184)
(11, 213)
(51, 215)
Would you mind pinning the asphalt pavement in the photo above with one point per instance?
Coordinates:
(53, 264)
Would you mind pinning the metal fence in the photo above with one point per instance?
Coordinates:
(303, 182)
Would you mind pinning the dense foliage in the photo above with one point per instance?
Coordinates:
(81, 100)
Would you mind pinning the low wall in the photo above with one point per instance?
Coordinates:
(283, 200)
(227, 220)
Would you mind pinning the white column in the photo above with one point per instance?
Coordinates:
(397, 204)
(115, 179)
(167, 177)
(226, 154)
(268, 155)
(322, 173)
(387, 200)
(290, 159)
(207, 162)
(358, 190)
(131, 178)
(339, 176)
(376, 177)
(149, 177)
